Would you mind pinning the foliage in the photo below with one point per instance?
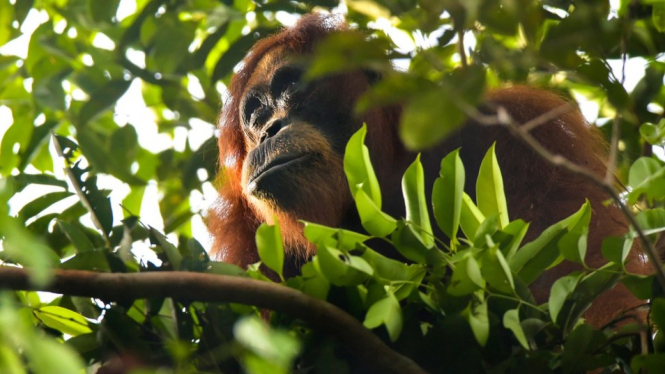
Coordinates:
(462, 304)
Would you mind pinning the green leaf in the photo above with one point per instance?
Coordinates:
(271, 247)
(95, 260)
(658, 312)
(76, 236)
(340, 268)
(403, 278)
(224, 268)
(561, 289)
(651, 363)
(64, 320)
(479, 321)
(172, 254)
(652, 221)
(104, 11)
(376, 222)
(19, 135)
(639, 285)
(96, 152)
(573, 246)
(343, 52)
(431, 115)
(532, 259)
(617, 249)
(50, 357)
(275, 346)
(413, 187)
(511, 321)
(102, 100)
(646, 177)
(385, 311)
(124, 142)
(485, 231)
(409, 243)
(6, 18)
(235, 53)
(575, 349)
(311, 282)
(10, 362)
(514, 234)
(654, 134)
(489, 188)
(470, 217)
(36, 206)
(447, 194)
(466, 277)
(23, 180)
(496, 271)
(590, 287)
(642, 170)
(658, 15)
(358, 168)
(339, 238)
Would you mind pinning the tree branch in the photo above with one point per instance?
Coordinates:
(362, 343)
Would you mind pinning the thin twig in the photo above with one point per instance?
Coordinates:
(190, 286)
(460, 47)
(616, 128)
(547, 116)
(614, 145)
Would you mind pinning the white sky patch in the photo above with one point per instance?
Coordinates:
(287, 19)
(6, 119)
(200, 132)
(659, 152)
(201, 202)
(588, 108)
(634, 71)
(136, 57)
(103, 42)
(180, 139)
(19, 46)
(194, 87)
(125, 9)
(150, 214)
(131, 108)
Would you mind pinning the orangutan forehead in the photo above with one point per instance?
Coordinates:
(269, 63)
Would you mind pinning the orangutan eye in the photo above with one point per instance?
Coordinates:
(251, 106)
(286, 79)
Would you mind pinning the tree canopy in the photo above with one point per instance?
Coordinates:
(108, 159)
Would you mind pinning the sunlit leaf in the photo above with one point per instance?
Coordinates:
(270, 246)
(413, 188)
(560, 291)
(64, 320)
(511, 320)
(358, 168)
(372, 218)
(466, 277)
(470, 217)
(385, 312)
(489, 189)
(496, 271)
(447, 194)
(76, 236)
(478, 319)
